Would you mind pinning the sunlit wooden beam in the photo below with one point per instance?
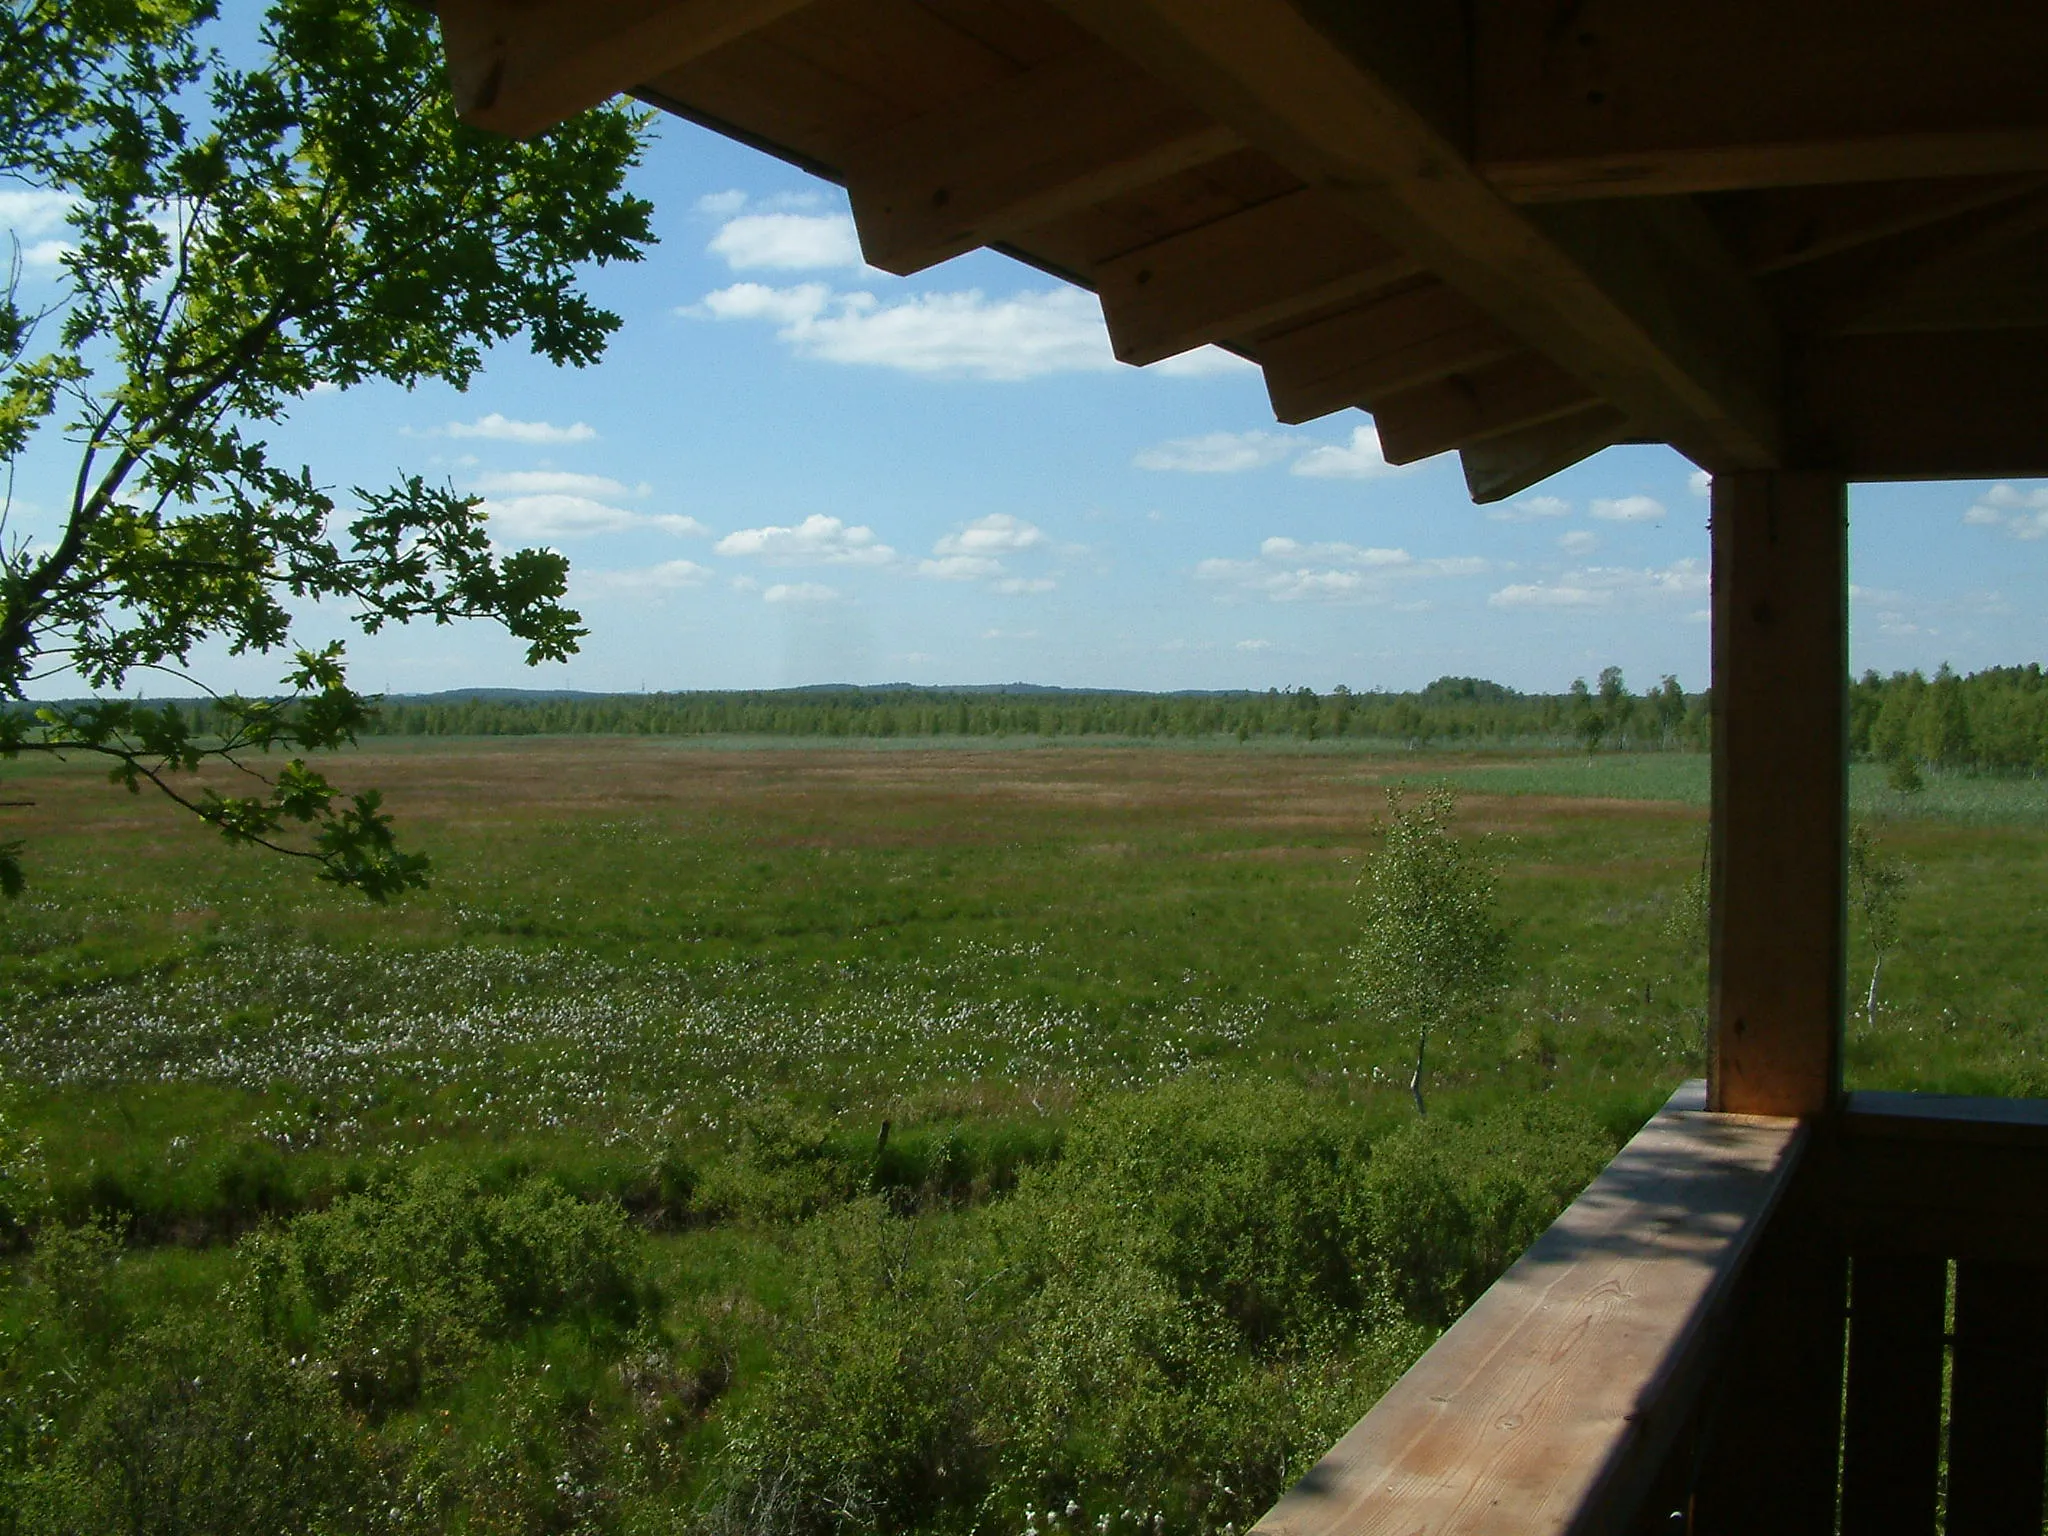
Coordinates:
(519, 67)
(1285, 257)
(1054, 140)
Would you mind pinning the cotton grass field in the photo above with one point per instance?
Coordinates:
(841, 1034)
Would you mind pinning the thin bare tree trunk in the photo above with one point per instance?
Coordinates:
(1870, 1001)
(1415, 1082)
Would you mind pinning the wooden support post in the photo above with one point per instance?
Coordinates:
(1780, 770)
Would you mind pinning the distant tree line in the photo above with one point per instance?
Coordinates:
(1450, 711)
(1995, 720)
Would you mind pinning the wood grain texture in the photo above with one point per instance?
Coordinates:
(1550, 1405)
(1285, 257)
(1416, 336)
(1521, 391)
(1778, 922)
(520, 68)
(1052, 141)
(1319, 102)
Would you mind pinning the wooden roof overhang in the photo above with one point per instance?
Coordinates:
(1772, 233)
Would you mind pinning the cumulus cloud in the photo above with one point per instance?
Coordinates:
(1627, 509)
(27, 214)
(1579, 541)
(1254, 645)
(1530, 509)
(531, 482)
(1021, 584)
(997, 533)
(1288, 570)
(800, 592)
(1360, 459)
(787, 242)
(1700, 483)
(505, 430)
(2020, 514)
(960, 567)
(1605, 586)
(963, 334)
(817, 540)
(667, 576)
(1219, 453)
(555, 515)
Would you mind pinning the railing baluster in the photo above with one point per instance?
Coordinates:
(1998, 1400)
(1892, 1442)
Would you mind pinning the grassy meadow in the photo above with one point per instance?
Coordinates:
(744, 1135)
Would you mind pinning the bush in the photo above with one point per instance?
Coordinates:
(203, 1431)
(399, 1288)
(24, 1184)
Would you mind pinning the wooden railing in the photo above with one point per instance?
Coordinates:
(1745, 1325)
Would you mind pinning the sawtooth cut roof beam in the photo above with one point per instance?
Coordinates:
(1416, 336)
(518, 67)
(1616, 98)
(1054, 140)
(1613, 300)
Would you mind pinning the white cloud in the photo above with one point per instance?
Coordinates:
(46, 253)
(788, 242)
(1361, 459)
(2022, 514)
(1603, 586)
(668, 575)
(34, 213)
(1529, 510)
(1289, 570)
(505, 430)
(1627, 509)
(722, 205)
(800, 592)
(1254, 645)
(1201, 363)
(1009, 634)
(960, 568)
(1580, 541)
(530, 482)
(1700, 483)
(552, 515)
(997, 533)
(817, 540)
(1219, 453)
(1018, 584)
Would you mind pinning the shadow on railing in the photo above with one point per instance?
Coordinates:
(1670, 1356)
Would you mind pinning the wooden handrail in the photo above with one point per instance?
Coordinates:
(1551, 1405)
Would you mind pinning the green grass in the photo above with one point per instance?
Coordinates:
(698, 982)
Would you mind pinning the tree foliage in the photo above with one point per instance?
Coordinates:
(238, 237)
(1431, 948)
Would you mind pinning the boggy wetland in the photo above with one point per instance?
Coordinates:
(740, 1135)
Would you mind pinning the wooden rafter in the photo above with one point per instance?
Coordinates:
(1297, 253)
(1607, 313)
(1415, 336)
(1526, 390)
(1508, 464)
(1610, 98)
(521, 66)
(1055, 139)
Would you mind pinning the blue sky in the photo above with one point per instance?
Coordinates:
(792, 469)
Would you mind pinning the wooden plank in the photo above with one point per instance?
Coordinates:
(1891, 1433)
(1510, 463)
(1770, 1463)
(518, 67)
(1614, 98)
(1256, 268)
(1525, 390)
(1311, 92)
(1929, 405)
(1774, 231)
(1551, 1405)
(1998, 1401)
(1778, 924)
(1959, 1178)
(1055, 139)
(1413, 337)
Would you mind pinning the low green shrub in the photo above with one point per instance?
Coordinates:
(398, 1288)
